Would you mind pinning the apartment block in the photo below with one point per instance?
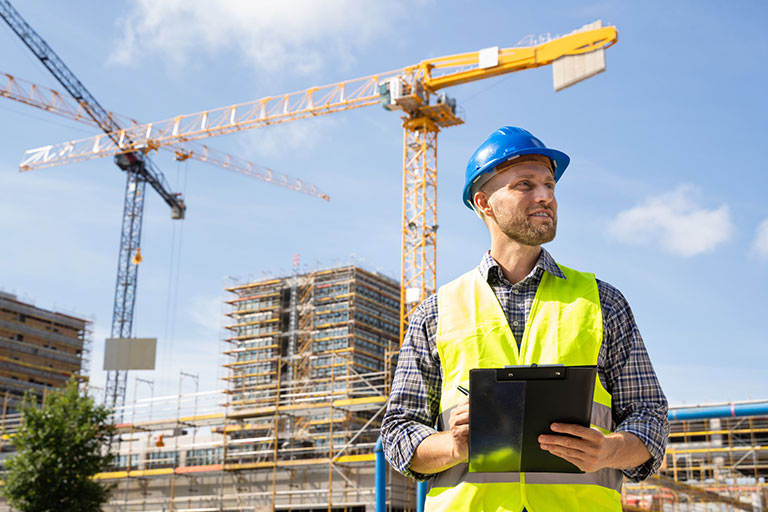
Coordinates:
(39, 349)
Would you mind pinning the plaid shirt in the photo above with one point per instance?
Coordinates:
(639, 404)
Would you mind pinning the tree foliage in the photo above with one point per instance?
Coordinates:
(59, 448)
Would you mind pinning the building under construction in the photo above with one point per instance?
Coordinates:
(39, 349)
(309, 362)
(318, 336)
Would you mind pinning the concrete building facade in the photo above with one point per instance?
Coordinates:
(39, 349)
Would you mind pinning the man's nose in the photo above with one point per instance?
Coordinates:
(544, 194)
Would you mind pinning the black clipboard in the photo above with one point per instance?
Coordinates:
(510, 407)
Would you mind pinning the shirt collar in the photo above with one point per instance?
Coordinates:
(489, 266)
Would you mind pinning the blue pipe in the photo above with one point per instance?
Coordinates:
(421, 496)
(381, 482)
(719, 411)
(381, 477)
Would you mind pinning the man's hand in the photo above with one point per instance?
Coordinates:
(590, 450)
(587, 450)
(444, 450)
(458, 424)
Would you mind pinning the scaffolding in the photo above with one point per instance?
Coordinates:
(309, 378)
(206, 456)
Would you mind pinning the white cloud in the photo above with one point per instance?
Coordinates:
(300, 35)
(675, 222)
(760, 245)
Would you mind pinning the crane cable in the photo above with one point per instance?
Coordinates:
(174, 272)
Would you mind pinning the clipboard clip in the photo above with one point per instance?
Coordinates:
(533, 372)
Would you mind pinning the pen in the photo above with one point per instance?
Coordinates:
(464, 390)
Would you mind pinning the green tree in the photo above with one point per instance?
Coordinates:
(59, 448)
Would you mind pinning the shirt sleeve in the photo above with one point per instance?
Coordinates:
(414, 401)
(639, 404)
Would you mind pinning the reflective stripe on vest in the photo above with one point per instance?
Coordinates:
(564, 327)
(460, 473)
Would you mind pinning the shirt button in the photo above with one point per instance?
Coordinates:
(515, 291)
(515, 323)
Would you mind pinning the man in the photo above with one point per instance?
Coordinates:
(549, 314)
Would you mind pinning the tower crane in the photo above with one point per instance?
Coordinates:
(415, 90)
(63, 105)
(139, 170)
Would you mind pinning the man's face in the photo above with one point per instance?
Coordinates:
(522, 200)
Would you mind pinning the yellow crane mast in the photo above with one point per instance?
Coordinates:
(415, 90)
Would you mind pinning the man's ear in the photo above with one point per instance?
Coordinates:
(482, 204)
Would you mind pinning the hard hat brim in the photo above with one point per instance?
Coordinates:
(559, 160)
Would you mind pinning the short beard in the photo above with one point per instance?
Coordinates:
(520, 229)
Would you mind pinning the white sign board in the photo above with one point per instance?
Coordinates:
(130, 354)
(488, 58)
(572, 69)
(412, 295)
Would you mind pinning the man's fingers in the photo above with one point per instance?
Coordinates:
(460, 431)
(563, 451)
(574, 457)
(459, 428)
(460, 417)
(577, 430)
(564, 442)
(582, 448)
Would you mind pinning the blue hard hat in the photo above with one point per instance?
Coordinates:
(505, 144)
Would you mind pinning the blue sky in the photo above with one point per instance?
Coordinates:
(664, 198)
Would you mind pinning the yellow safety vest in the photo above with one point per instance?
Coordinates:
(565, 326)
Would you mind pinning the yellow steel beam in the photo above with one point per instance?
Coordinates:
(719, 432)
(33, 366)
(366, 457)
(464, 68)
(430, 75)
(201, 419)
(346, 459)
(347, 404)
(135, 473)
(110, 475)
(716, 449)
